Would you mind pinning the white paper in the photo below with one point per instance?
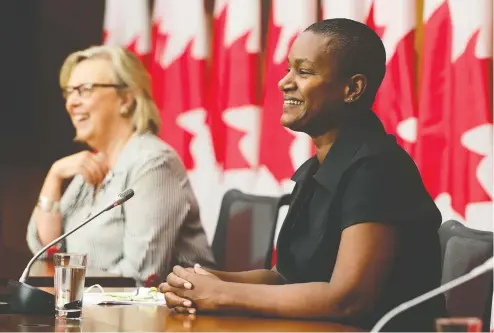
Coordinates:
(144, 297)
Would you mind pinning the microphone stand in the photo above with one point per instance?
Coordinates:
(25, 273)
(27, 299)
(479, 270)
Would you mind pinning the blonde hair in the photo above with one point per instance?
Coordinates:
(128, 70)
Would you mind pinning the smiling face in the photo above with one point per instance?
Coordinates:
(312, 89)
(96, 116)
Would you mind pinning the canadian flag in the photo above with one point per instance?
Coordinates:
(394, 22)
(234, 109)
(454, 147)
(281, 150)
(178, 69)
(127, 23)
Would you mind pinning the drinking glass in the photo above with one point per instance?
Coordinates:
(459, 324)
(70, 273)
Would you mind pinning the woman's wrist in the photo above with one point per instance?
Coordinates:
(53, 174)
(51, 192)
(225, 292)
(53, 181)
(48, 205)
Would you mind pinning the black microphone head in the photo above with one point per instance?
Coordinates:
(121, 198)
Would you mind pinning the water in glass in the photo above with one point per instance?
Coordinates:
(69, 290)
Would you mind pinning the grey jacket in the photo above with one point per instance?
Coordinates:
(156, 229)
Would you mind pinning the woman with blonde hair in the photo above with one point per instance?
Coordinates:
(108, 98)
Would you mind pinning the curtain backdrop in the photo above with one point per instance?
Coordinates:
(215, 73)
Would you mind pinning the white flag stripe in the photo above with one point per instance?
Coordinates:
(126, 22)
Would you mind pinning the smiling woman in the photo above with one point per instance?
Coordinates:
(361, 233)
(108, 98)
(310, 85)
(91, 100)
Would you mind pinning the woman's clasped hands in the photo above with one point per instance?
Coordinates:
(190, 289)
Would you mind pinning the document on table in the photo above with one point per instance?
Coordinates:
(141, 296)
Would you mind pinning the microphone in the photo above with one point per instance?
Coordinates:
(479, 270)
(27, 299)
(121, 198)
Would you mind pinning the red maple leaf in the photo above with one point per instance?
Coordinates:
(145, 58)
(372, 24)
(235, 78)
(177, 89)
(455, 99)
(275, 140)
(395, 100)
(132, 47)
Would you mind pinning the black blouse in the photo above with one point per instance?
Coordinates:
(365, 177)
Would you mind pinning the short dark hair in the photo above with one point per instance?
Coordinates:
(359, 50)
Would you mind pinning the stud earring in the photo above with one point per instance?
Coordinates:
(124, 111)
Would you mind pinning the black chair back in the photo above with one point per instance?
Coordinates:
(244, 234)
(463, 249)
(284, 201)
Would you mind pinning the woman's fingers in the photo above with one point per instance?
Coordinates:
(92, 167)
(181, 309)
(199, 270)
(87, 174)
(177, 282)
(179, 304)
(95, 168)
(99, 167)
(171, 297)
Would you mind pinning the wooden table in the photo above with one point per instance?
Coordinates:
(42, 271)
(148, 318)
